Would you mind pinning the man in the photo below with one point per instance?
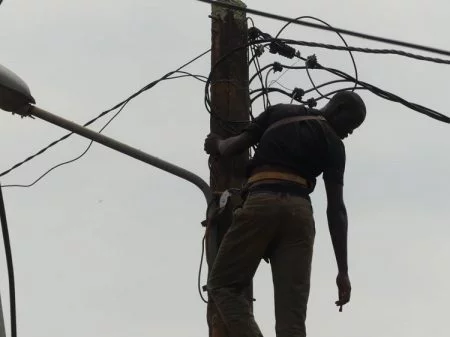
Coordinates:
(295, 145)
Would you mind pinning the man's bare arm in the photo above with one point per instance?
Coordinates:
(337, 223)
(338, 226)
(230, 146)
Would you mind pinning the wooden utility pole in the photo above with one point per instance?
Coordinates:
(230, 101)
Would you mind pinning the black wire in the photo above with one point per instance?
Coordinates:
(9, 263)
(263, 91)
(266, 82)
(284, 73)
(185, 74)
(314, 84)
(326, 84)
(357, 49)
(365, 50)
(258, 72)
(342, 31)
(429, 112)
(341, 37)
(341, 90)
(199, 279)
(201, 78)
(310, 44)
(145, 88)
(391, 97)
(72, 160)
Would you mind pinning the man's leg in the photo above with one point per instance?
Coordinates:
(291, 266)
(237, 260)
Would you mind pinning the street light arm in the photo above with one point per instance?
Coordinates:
(121, 147)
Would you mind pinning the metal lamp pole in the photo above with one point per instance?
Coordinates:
(15, 97)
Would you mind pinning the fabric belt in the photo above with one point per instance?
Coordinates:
(261, 176)
(293, 119)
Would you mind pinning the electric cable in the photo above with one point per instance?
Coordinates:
(334, 29)
(340, 36)
(263, 91)
(311, 44)
(341, 90)
(364, 50)
(258, 72)
(391, 97)
(199, 278)
(145, 88)
(69, 161)
(255, 59)
(284, 73)
(184, 74)
(10, 266)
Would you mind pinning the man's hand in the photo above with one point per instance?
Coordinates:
(211, 146)
(344, 289)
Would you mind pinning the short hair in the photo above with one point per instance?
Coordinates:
(353, 102)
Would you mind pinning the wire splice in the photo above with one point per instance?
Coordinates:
(283, 49)
(298, 94)
(277, 67)
(312, 102)
(311, 62)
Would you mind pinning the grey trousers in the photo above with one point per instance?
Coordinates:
(273, 225)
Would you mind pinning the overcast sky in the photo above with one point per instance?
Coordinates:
(109, 246)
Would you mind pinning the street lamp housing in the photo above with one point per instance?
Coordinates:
(14, 92)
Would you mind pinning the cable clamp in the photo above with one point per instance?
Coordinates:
(298, 94)
(311, 62)
(277, 67)
(312, 103)
(253, 33)
(259, 50)
(279, 47)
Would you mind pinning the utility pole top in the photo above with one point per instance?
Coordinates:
(221, 12)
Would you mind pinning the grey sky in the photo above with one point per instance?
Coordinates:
(110, 247)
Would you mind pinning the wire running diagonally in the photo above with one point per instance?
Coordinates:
(342, 31)
(340, 36)
(117, 106)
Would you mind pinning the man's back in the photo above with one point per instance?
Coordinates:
(306, 148)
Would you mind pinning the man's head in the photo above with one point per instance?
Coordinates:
(345, 112)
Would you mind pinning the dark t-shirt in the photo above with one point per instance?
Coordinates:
(308, 148)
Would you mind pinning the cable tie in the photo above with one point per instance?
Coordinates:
(277, 67)
(311, 61)
(312, 103)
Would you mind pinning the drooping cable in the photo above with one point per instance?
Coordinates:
(199, 278)
(69, 161)
(10, 266)
(340, 36)
(117, 106)
(390, 96)
(201, 78)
